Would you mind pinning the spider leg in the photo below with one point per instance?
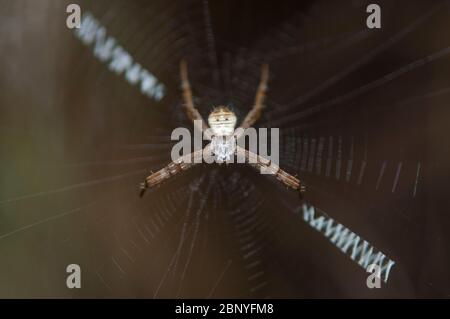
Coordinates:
(179, 165)
(192, 113)
(256, 111)
(260, 162)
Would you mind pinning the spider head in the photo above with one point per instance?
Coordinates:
(222, 121)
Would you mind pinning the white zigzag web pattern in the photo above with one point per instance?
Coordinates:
(358, 249)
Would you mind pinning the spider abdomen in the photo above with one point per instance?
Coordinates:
(223, 147)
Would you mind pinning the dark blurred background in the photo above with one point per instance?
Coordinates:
(77, 139)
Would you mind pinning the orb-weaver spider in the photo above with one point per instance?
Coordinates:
(222, 122)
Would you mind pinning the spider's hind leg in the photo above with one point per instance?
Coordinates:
(143, 188)
(301, 190)
(183, 163)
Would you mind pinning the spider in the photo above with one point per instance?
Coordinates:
(222, 122)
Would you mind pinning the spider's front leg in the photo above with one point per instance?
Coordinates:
(255, 112)
(262, 163)
(192, 113)
(179, 165)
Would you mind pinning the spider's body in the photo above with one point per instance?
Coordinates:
(223, 147)
(221, 131)
(222, 122)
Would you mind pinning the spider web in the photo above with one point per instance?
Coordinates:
(362, 121)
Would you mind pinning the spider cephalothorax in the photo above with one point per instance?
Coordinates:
(222, 121)
(221, 131)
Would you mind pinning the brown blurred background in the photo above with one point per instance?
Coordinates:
(76, 140)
